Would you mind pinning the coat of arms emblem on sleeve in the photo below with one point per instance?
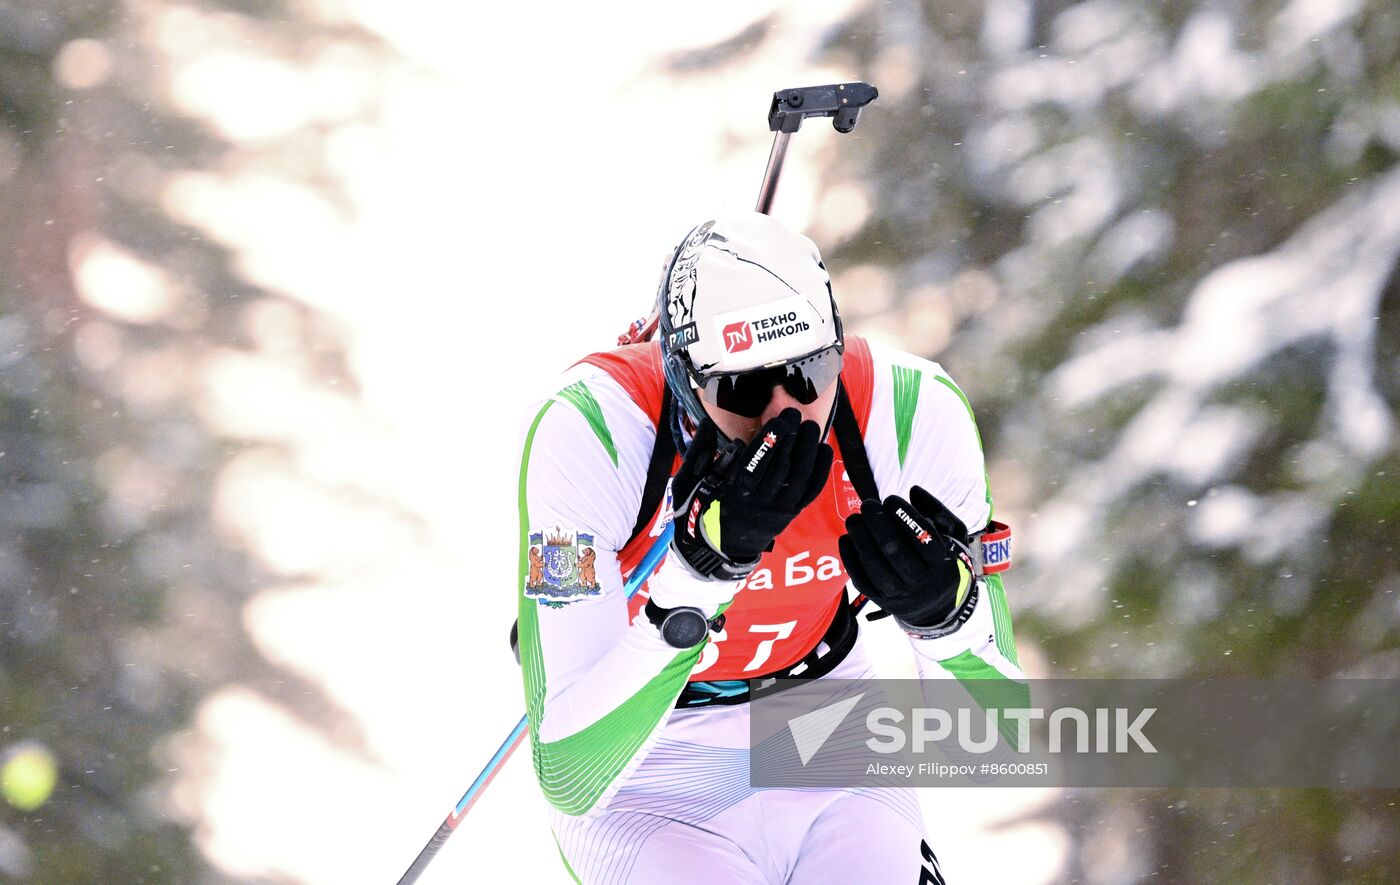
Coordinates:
(562, 566)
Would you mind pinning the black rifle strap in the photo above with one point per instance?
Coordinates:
(853, 447)
(663, 456)
(857, 463)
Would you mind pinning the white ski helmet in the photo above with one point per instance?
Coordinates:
(739, 295)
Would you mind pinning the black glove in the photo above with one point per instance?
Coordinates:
(732, 501)
(910, 559)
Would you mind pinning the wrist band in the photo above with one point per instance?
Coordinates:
(949, 626)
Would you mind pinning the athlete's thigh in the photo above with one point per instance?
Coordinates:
(870, 836)
(683, 853)
(638, 848)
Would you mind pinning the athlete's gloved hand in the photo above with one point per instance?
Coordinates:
(911, 559)
(731, 501)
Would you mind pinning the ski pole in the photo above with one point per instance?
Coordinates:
(517, 735)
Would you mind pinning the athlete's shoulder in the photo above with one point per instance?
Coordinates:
(922, 431)
(587, 401)
(883, 357)
(636, 369)
(585, 446)
(907, 385)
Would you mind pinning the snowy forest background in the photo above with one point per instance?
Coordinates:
(257, 259)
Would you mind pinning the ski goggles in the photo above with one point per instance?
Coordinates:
(748, 393)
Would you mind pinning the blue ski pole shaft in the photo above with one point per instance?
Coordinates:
(517, 735)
